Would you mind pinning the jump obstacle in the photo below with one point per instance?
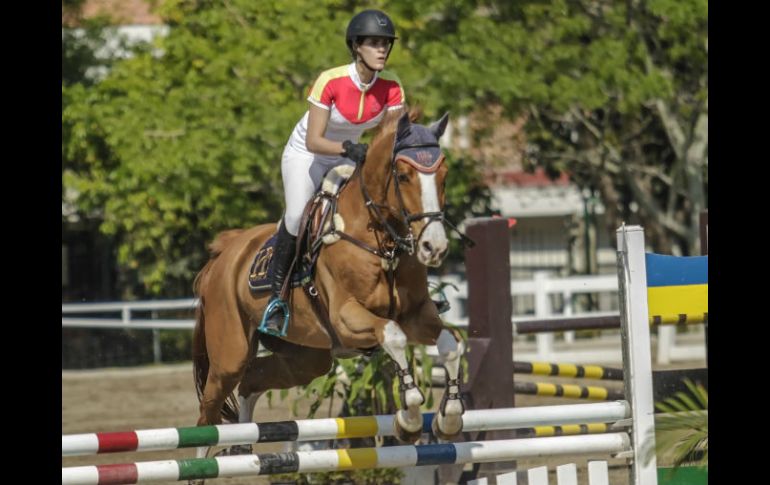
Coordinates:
(637, 363)
(567, 390)
(347, 459)
(335, 428)
(667, 382)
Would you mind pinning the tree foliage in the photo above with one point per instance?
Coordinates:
(616, 94)
(681, 428)
(170, 149)
(184, 139)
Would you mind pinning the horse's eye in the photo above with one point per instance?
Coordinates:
(403, 177)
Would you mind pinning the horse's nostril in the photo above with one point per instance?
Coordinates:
(427, 246)
(443, 253)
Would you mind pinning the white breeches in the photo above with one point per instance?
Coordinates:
(302, 174)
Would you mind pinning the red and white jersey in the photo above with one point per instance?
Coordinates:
(355, 107)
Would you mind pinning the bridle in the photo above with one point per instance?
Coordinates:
(407, 241)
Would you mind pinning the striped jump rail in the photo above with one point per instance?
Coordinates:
(348, 459)
(332, 428)
(567, 390)
(568, 370)
(564, 430)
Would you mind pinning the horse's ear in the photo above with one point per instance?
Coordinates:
(403, 126)
(438, 127)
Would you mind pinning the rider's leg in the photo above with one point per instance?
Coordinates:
(299, 187)
(300, 182)
(276, 313)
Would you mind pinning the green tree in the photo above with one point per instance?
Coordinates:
(616, 93)
(170, 149)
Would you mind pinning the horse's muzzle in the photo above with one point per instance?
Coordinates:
(433, 246)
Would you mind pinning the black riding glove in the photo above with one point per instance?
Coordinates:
(355, 151)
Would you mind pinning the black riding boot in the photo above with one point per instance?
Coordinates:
(276, 317)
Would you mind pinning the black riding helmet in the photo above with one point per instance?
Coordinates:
(370, 23)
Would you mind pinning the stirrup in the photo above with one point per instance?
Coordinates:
(275, 304)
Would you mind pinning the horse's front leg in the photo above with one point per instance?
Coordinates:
(448, 421)
(408, 420)
(426, 327)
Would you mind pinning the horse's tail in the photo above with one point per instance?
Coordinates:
(199, 353)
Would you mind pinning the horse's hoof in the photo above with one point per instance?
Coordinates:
(404, 435)
(449, 434)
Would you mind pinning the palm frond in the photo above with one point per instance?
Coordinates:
(681, 431)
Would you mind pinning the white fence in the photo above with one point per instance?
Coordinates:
(598, 474)
(563, 347)
(126, 318)
(551, 347)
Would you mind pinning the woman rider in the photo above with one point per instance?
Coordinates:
(344, 102)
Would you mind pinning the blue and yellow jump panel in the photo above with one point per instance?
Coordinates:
(677, 288)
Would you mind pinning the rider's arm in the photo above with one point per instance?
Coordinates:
(315, 142)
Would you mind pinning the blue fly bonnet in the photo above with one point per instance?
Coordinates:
(418, 147)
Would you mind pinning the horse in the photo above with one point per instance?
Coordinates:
(371, 281)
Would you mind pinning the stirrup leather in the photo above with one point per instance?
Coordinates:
(275, 305)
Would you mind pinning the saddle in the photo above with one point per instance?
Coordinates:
(319, 223)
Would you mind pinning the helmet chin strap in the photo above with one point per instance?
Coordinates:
(361, 58)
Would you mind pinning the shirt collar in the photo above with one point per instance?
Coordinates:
(357, 80)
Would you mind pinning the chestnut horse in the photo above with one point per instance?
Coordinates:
(372, 281)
